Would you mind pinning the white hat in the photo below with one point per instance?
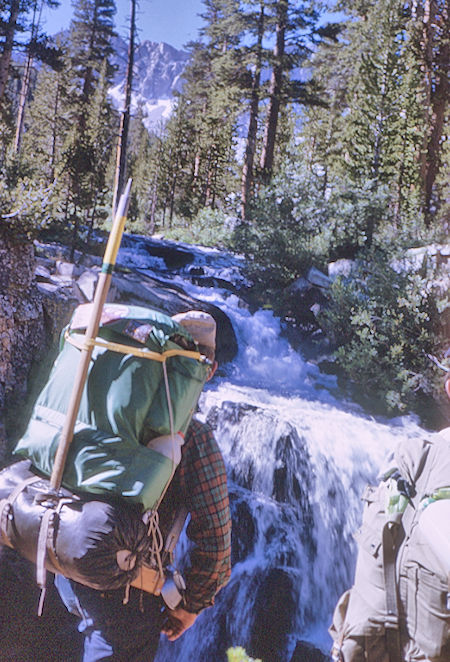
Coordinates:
(201, 326)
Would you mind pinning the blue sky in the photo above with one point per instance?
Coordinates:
(174, 21)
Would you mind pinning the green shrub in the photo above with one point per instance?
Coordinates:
(239, 655)
(294, 225)
(26, 209)
(384, 324)
(211, 227)
(281, 241)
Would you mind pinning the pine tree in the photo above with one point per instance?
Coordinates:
(275, 89)
(38, 47)
(223, 35)
(122, 142)
(373, 94)
(200, 136)
(10, 12)
(295, 28)
(178, 166)
(400, 81)
(257, 52)
(144, 164)
(90, 72)
(17, 18)
(91, 31)
(430, 32)
(371, 134)
(48, 122)
(407, 136)
(101, 127)
(321, 143)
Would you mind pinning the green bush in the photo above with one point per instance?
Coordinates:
(239, 655)
(25, 209)
(281, 241)
(384, 324)
(294, 225)
(211, 227)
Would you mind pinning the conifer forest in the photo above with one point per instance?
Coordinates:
(305, 133)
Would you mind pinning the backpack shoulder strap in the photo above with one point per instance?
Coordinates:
(390, 548)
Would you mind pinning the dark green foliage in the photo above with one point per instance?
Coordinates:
(26, 209)
(92, 29)
(387, 102)
(199, 140)
(293, 227)
(337, 157)
(282, 239)
(69, 129)
(384, 323)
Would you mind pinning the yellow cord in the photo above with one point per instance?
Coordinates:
(129, 349)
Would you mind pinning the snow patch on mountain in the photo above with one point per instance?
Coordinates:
(157, 75)
(155, 112)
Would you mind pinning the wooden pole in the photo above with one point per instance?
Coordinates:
(101, 292)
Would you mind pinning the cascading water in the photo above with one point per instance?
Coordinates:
(298, 458)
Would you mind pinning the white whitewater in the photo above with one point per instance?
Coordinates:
(298, 458)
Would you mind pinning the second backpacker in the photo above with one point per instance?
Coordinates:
(399, 606)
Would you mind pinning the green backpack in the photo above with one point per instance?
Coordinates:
(142, 388)
(399, 605)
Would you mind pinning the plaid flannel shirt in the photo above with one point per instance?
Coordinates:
(200, 484)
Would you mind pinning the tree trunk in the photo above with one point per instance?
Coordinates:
(380, 125)
(276, 83)
(155, 187)
(438, 111)
(209, 176)
(247, 169)
(434, 46)
(121, 157)
(5, 59)
(54, 132)
(401, 173)
(153, 203)
(22, 102)
(27, 77)
(172, 198)
(76, 223)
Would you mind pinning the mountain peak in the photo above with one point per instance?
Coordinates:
(157, 74)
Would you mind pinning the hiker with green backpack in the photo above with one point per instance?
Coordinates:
(110, 466)
(117, 631)
(398, 609)
(138, 465)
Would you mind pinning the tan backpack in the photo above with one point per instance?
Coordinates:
(399, 606)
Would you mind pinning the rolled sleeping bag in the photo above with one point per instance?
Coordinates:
(97, 543)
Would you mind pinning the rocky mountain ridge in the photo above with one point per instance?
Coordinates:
(157, 76)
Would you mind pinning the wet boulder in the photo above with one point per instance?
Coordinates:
(77, 282)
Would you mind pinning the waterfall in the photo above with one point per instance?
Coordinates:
(298, 457)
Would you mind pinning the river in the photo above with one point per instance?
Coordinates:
(298, 456)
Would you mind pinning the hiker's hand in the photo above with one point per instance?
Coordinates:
(178, 621)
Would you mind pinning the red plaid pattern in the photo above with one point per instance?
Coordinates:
(200, 484)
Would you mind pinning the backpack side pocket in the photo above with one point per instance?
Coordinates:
(427, 614)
